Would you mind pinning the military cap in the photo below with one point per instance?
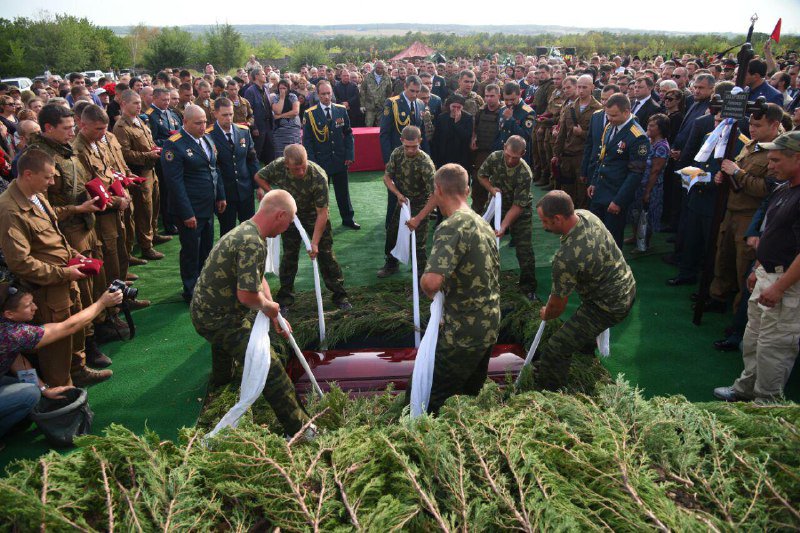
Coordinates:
(787, 141)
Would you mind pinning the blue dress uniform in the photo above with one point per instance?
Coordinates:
(521, 123)
(329, 143)
(237, 164)
(594, 139)
(396, 116)
(163, 124)
(620, 166)
(190, 171)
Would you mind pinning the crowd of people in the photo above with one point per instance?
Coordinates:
(96, 170)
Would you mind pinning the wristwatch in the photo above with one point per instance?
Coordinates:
(43, 388)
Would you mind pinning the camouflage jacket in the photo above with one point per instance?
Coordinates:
(514, 183)
(465, 253)
(310, 192)
(374, 94)
(412, 176)
(590, 263)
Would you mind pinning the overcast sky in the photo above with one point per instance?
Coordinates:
(671, 15)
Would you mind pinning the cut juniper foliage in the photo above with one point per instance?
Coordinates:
(502, 461)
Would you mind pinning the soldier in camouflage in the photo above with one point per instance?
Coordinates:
(409, 176)
(308, 184)
(375, 89)
(589, 263)
(230, 291)
(505, 171)
(465, 265)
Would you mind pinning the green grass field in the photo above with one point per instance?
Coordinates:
(160, 377)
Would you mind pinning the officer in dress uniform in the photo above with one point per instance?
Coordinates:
(189, 161)
(517, 118)
(328, 139)
(621, 163)
(398, 112)
(237, 164)
(163, 123)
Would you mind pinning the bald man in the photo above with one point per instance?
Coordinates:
(189, 161)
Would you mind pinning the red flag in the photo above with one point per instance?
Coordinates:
(776, 33)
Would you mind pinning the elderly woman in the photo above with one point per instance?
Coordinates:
(286, 114)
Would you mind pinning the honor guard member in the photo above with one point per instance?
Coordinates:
(141, 155)
(185, 97)
(189, 160)
(232, 289)
(621, 163)
(517, 118)
(398, 112)
(242, 111)
(550, 120)
(42, 241)
(375, 89)
(590, 263)
(465, 266)
(769, 346)
(507, 172)
(163, 124)
(307, 183)
(571, 139)
(409, 177)
(204, 100)
(236, 163)
(328, 140)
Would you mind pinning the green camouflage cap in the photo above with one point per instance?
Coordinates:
(787, 141)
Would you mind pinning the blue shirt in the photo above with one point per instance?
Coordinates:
(766, 90)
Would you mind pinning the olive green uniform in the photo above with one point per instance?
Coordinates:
(310, 192)
(373, 95)
(590, 263)
(515, 185)
(237, 264)
(465, 253)
(554, 105)
(413, 177)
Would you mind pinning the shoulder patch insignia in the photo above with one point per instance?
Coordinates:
(386, 111)
(175, 137)
(643, 149)
(168, 155)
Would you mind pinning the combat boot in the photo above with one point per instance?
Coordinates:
(86, 377)
(388, 269)
(94, 356)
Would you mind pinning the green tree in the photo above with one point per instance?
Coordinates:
(308, 52)
(270, 48)
(172, 47)
(224, 47)
(137, 41)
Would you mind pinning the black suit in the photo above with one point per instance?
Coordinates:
(348, 92)
(645, 111)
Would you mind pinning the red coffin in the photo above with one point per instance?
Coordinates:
(366, 372)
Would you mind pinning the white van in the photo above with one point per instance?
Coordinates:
(21, 83)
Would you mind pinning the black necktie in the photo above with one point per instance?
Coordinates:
(230, 139)
(412, 113)
(328, 113)
(634, 106)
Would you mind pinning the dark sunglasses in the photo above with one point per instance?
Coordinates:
(677, 76)
(670, 99)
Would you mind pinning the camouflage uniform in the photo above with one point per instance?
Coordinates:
(237, 263)
(243, 112)
(465, 253)
(515, 185)
(472, 105)
(590, 263)
(413, 177)
(310, 192)
(373, 95)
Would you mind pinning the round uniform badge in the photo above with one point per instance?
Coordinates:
(528, 123)
(386, 112)
(643, 149)
(168, 155)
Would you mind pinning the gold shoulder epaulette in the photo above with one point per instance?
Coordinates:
(527, 108)
(338, 105)
(149, 111)
(209, 129)
(175, 137)
(312, 108)
(743, 138)
(394, 98)
(636, 130)
(242, 126)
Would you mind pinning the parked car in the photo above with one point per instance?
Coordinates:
(21, 83)
(110, 76)
(94, 75)
(368, 371)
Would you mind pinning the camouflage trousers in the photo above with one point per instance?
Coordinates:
(329, 268)
(372, 117)
(521, 232)
(422, 234)
(577, 335)
(229, 345)
(456, 371)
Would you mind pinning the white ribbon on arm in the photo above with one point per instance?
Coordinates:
(422, 377)
(534, 345)
(401, 252)
(716, 142)
(254, 375)
(604, 343)
(317, 289)
(273, 255)
(495, 209)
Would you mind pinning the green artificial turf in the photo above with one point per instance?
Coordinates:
(160, 377)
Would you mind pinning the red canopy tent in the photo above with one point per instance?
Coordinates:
(415, 50)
